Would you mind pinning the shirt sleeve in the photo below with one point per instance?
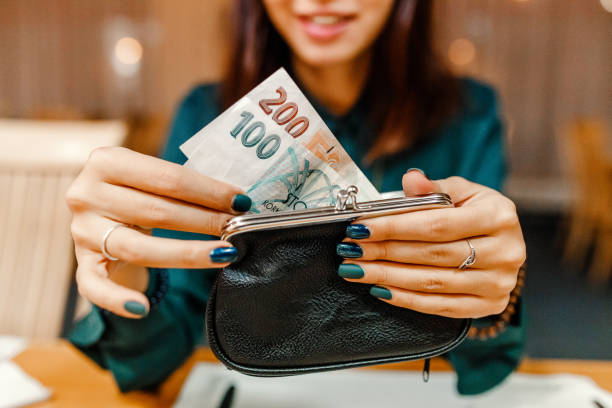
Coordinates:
(141, 353)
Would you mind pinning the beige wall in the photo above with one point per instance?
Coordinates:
(550, 59)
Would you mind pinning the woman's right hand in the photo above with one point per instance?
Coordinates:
(120, 186)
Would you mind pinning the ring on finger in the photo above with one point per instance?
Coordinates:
(105, 238)
(471, 259)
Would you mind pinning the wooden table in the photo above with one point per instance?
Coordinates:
(76, 381)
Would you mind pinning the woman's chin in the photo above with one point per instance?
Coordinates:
(322, 57)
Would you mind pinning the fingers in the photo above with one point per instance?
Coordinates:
(437, 225)
(446, 254)
(448, 305)
(124, 167)
(94, 285)
(137, 248)
(415, 182)
(429, 279)
(136, 207)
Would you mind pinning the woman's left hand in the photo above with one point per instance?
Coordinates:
(414, 258)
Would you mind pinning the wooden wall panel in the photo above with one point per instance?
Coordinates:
(550, 60)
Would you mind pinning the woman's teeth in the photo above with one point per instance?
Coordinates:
(326, 20)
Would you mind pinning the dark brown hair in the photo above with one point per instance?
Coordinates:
(413, 90)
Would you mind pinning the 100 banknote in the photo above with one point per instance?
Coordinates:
(274, 145)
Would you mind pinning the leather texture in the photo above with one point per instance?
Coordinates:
(281, 309)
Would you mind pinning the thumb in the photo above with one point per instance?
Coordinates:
(415, 183)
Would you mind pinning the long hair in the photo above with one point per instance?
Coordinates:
(412, 89)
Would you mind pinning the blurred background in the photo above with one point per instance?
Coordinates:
(80, 73)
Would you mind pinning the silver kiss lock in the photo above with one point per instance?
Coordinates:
(345, 197)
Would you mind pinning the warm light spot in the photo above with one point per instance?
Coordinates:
(461, 52)
(128, 50)
(607, 5)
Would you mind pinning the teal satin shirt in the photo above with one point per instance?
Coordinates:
(142, 353)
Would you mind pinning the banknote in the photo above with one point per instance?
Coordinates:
(274, 145)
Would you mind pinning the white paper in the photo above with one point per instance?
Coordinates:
(207, 384)
(17, 388)
(10, 346)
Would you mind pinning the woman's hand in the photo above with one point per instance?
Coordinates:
(413, 258)
(119, 186)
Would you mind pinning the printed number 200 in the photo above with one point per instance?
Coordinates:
(285, 114)
(254, 136)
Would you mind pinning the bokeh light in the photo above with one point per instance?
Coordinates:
(128, 50)
(607, 5)
(461, 52)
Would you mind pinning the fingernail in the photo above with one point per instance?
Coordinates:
(380, 292)
(241, 203)
(350, 271)
(349, 250)
(224, 254)
(357, 231)
(416, 169)
(135, 307)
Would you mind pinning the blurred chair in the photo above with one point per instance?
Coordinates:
(586, 152)
(38, 161)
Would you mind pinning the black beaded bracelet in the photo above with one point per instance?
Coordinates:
(158, 288)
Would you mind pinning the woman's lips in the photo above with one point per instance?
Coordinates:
(324, 27)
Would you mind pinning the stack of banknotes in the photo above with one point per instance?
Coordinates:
(274, 145)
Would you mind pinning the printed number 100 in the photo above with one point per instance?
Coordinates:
(254, 134)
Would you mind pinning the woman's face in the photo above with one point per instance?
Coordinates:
(328, 32)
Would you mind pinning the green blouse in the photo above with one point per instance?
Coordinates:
(142, 353)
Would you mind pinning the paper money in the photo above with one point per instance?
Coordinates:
(274, 145)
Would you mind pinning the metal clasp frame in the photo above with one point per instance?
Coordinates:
(346, 196)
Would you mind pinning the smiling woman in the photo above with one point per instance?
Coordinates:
(327, 33)
(370, 70)
(379, 53)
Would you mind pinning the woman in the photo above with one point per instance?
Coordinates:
(369, 68)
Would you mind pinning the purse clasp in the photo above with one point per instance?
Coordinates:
(345, 197)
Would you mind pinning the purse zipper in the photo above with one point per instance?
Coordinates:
(426, 370)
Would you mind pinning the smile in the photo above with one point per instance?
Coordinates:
(325, 27)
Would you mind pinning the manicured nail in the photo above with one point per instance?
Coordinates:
(241, 203)
(135, 307)
(357, 231)
(224, 254)
(349, 250)
(380, 292)
(416, 169)
(350, 271)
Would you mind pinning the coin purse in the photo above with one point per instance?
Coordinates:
(281, 309)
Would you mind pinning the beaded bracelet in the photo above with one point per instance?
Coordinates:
(503, 319)
(159, 288)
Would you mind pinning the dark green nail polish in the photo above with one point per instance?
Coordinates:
(350, 271)
(349, 250)
(416, 169)
(241, 203)
(135, 307)
(224, 254)
(357, 231)
(380, 292)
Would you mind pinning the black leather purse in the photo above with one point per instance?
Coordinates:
(281, 308)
